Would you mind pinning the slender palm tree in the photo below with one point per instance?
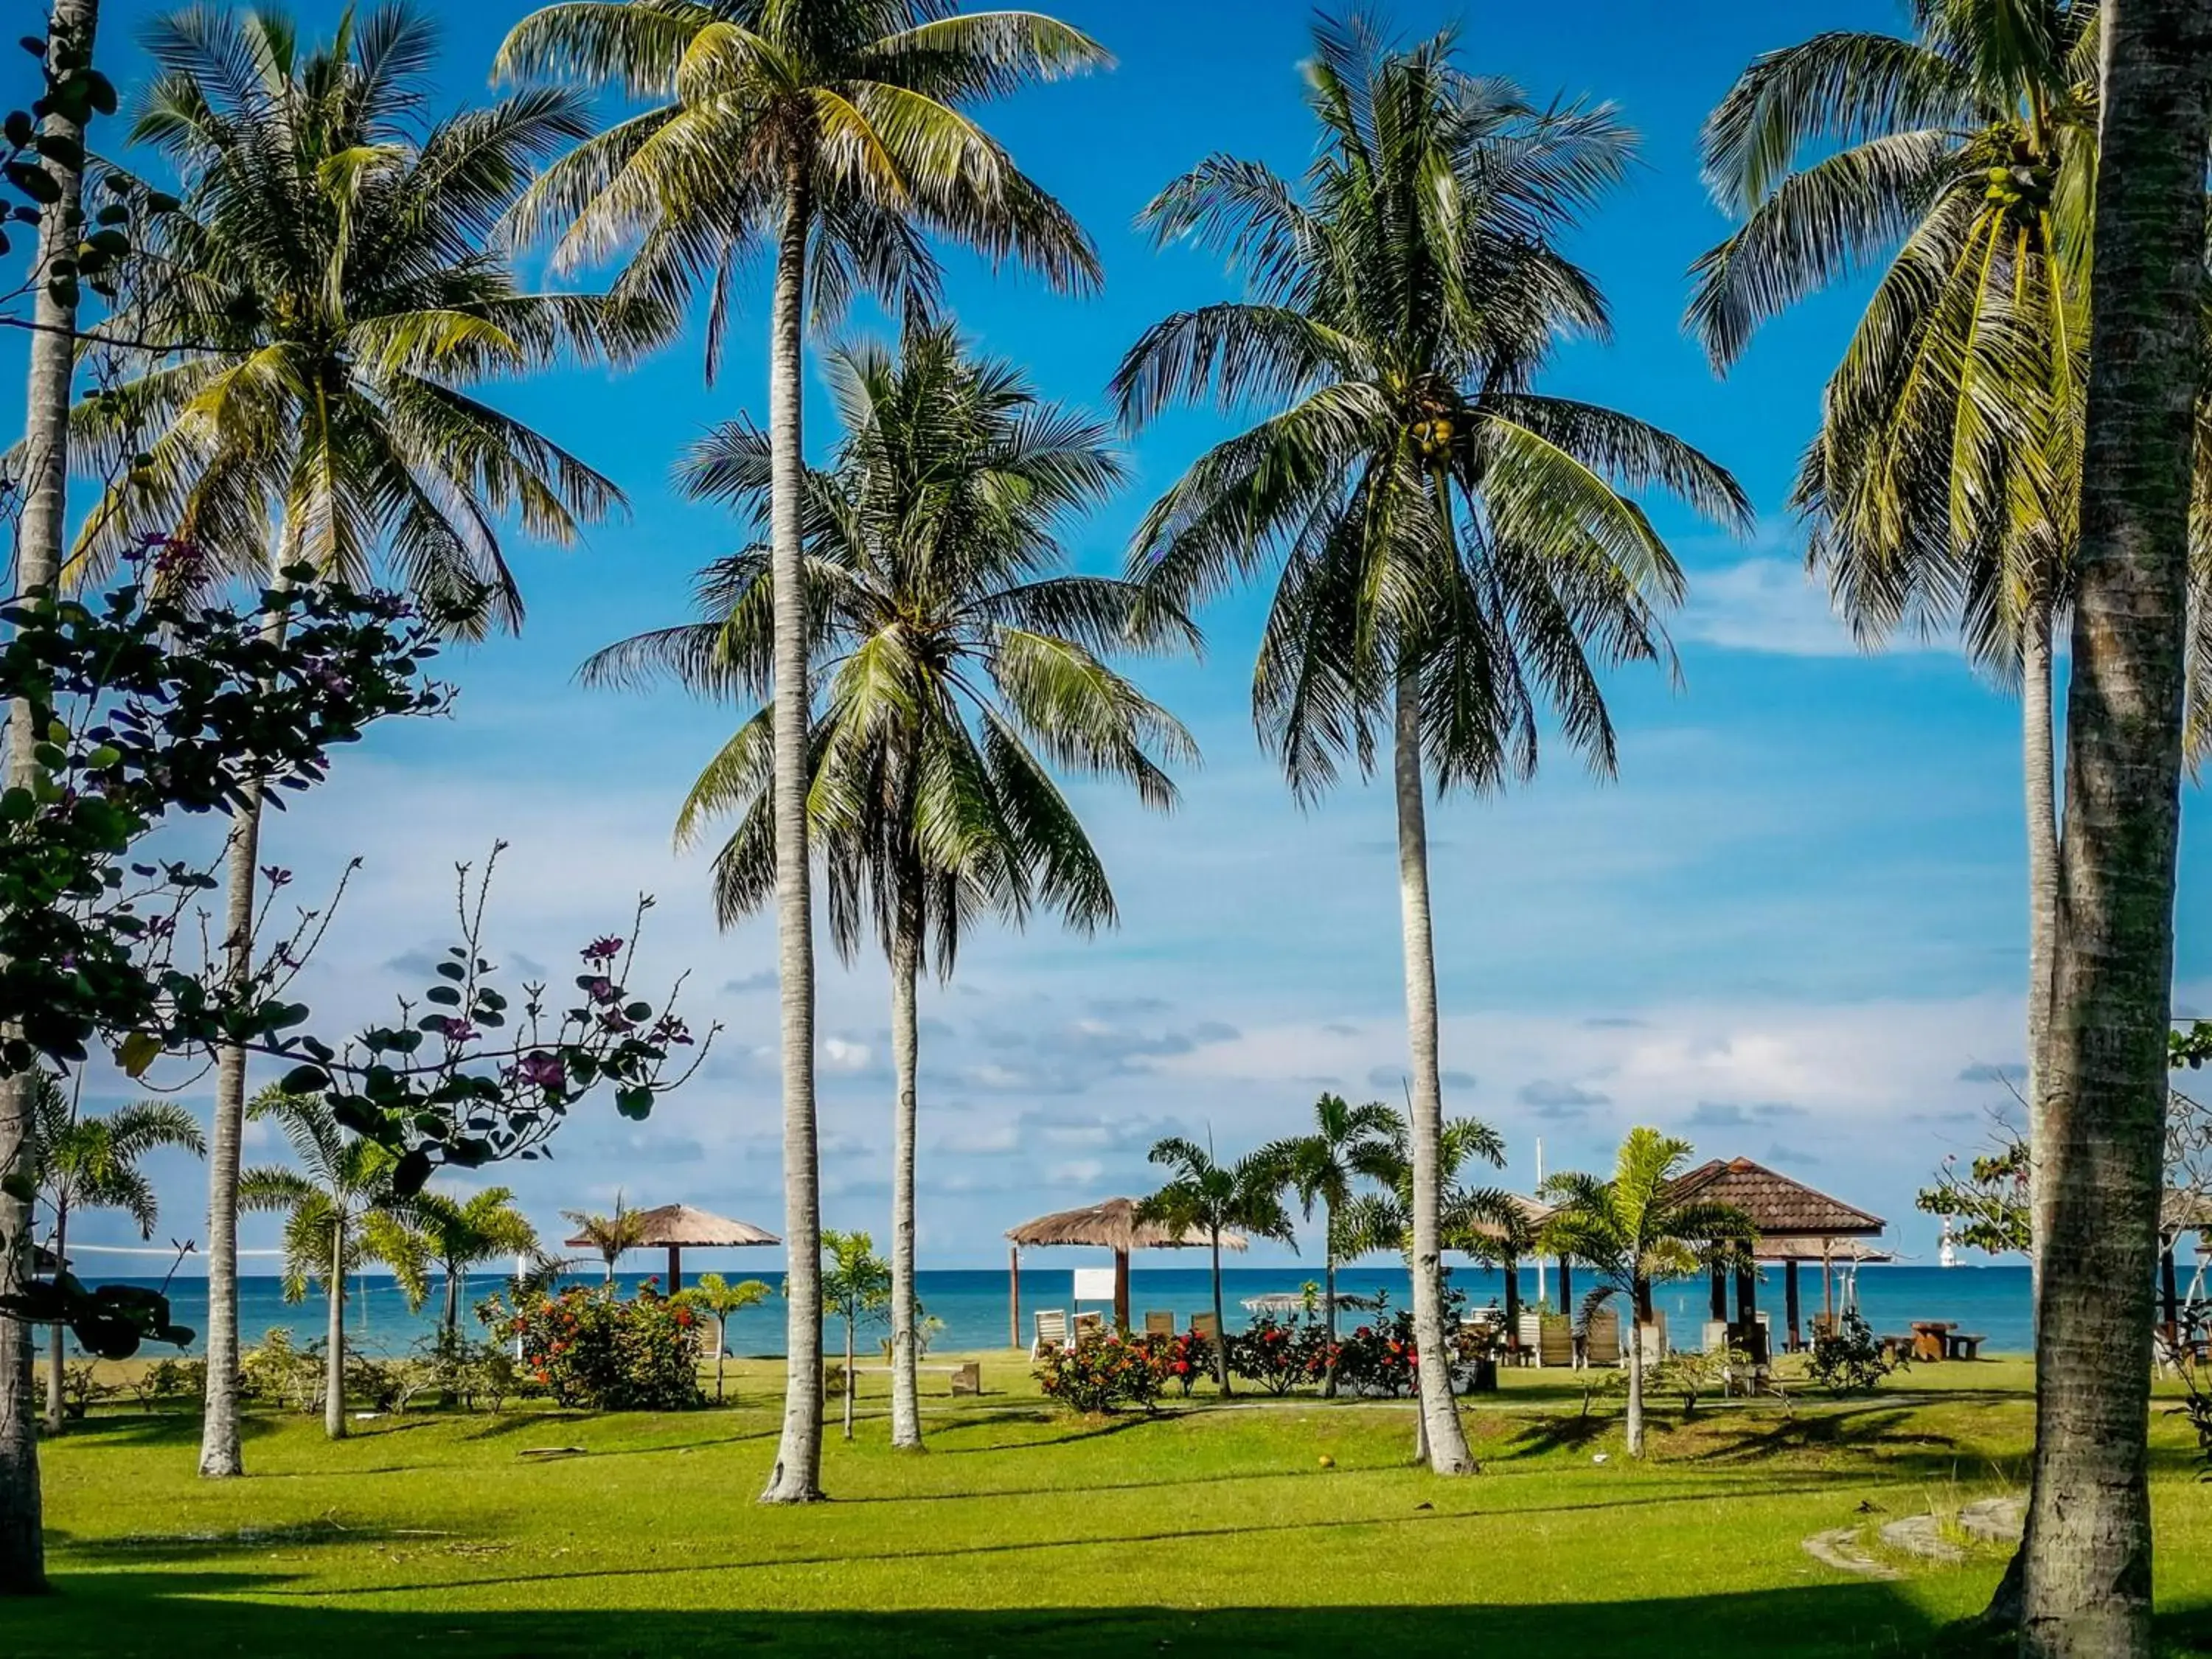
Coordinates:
(1322, 1167)
(961, 663)
(2088, 1567)
(341, 1209)
(1210, 1199)
(856, 1284)
(40, 538)
(92, 1164)
(716, 1297)
(1459, 554)
(608, 1235)
(459, 1235)
(1632, 1232)
(837, 133)
(337, 296)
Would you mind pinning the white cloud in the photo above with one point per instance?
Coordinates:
(1766, 604)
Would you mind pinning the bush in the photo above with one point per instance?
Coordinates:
(1184, 1358)
(1092, 1377)
(1379, 1358)
(589, 1349)
(1849, 1359)
(1278, 1354)
(280, 1373)
(171, 1379)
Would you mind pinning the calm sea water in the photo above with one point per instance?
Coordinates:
(1990, 1300)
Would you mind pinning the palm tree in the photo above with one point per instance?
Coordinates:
(960, 662)
(1632, 1231)
(341, 1209)
(855, 1285)
(609, 1235)
(92, 1164)
(836, 132)
(2088, 1553)
(41, 533)
(1347, 1142)
(340, 296)
(1211, 1199)
(1457, 557)
(459, 1235)
(715, 1294)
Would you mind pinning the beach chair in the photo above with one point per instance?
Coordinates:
(1159, 1324)
(1715, 1336)
(1602, 1342)
(1207, 1327)
(1555, 1341)
(1089, 1327)
(1051, 1330)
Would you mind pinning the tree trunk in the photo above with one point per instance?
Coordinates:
(45, 481)
(2037, 740)
(721, 1352)
(1328, 1274)
(796, 1476)
(906, 967)
(57, 1358)
(1635, 1379)
(334, 1417)
(453, 1304)
(2086, 1581)
(851, 1382)
(1446, 1441)
(1220, 1330)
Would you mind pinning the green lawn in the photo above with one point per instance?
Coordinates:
(1207, 1529)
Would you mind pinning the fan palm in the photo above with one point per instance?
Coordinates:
(341, 1209)
(608, 1235)
(837, 132)
(1632, 1231)
(1458, 553)
(1321, 1167)
(334, 297)
(1210, 1199)
(83, 1163)
(961, 664)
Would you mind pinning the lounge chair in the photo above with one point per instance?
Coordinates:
(1555, 1341)
(1090, 1325)
(1207, 1327)
(1051, 1331)
(1601, 1341)
(1159, 1324)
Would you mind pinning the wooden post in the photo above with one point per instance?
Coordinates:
(1746, 1307)
(1789, 1302)
(1720, 1293)
(1512, 1305)
(675, 1268)
(1828, 1285)
(2169, 1293)
(1013, 1296)
(1566, 1288)
(1122, 1289)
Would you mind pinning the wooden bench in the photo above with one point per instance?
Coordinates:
(1960, 1346)
(966, 1379)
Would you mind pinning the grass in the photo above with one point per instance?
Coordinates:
(1209, 1528)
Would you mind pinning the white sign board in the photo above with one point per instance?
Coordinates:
(1094, 1284)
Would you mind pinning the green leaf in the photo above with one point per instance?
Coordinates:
(635, 1103)
(304, 1080)
(138, 1053)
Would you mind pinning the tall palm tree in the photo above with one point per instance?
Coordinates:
(1632, 1232)
(1458, 556)
(837, 133)
(459, 1235)
(92, 1164)
(340, 297)
(1210, 1199)
(961, 663)
(608, 1235)
(2087, 1578)
(1322, 1167)
(341, 1209)
(40, 536)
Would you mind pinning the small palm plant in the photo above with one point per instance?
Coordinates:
(608, 1235)
(92, 1164)
(1632, 1231)
(341, 1209)
(1347, 1143)
(713, 1295)
(1210, 1199)
(856, 1284)
(458, 1235)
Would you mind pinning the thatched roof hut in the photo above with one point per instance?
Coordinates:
(1111, 1225)
(676, 1228)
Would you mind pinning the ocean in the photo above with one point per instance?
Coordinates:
(1990, 1301)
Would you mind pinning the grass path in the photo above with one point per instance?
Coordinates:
(1220, 1531)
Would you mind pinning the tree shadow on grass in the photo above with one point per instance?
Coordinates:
(201, 1616)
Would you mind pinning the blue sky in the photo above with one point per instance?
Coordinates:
(1792, 929)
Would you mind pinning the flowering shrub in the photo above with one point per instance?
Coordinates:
(1091, 1377)
(1380, 1358)
(588, 1348)
(1278, 1354)
(1184, 1358)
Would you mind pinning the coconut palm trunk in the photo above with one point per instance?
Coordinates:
(1444, 1440)
(2087, 1578)
(45, 481)
(906, 968)
(796, 1476)
(222, 1454)
(334, 1417)
(2037, 768)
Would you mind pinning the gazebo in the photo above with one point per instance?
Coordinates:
(1795, 1222)
(2180, 1213)
(676, 1228)
(1112, 1225)
(1534, 1213)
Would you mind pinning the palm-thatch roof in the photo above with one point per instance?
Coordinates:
(2186, 1213)
(687, 1229)
(1534, 1213)
(1111, 1225)
(1775, 1204)
(1785, 1247)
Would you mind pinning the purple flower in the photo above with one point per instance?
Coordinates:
(542, 1071)
(276, 876)
(603, 949)
(668, 1029)
(601, 990)
(452, 1028)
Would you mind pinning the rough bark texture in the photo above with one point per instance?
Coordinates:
(906, 970)
(796, 1476)
(37, 563)
(222, 1453)
(1328, 1294)
(2038, 738)
(2087, 1579)
(334, 1417)
(57, 1335)
(1446, 1441)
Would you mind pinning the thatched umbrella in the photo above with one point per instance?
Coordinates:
(676, 1228)
(1112, 1225)
(1794, 1222)
(2181, 1212)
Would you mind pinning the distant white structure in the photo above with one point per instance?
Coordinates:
(1947, 1250)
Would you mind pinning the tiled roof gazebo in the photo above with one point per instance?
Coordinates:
(1795, 1222)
